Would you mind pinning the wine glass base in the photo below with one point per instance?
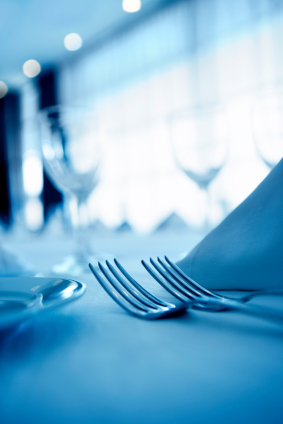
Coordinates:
(77, 263)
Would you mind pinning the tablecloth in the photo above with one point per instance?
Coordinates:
(91, 362)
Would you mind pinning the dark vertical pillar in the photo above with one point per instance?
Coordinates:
(48, 97)
(14, 152)
(5, 201)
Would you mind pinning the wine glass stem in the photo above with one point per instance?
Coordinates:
(79, 215)
(206, 208)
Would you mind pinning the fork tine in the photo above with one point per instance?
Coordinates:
(194, 293)
(173, 282)
(190, 281)
(123, 291)
(137, 293)
(138, 286)
(116, 296)
(170, 288)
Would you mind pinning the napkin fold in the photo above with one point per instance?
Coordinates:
(245, 251)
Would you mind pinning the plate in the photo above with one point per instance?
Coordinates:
(20, 297)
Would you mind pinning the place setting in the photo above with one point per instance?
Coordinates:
(141, 230)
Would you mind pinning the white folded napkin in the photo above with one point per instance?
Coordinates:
(246, 250)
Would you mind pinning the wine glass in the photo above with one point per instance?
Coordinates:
(71, 157)
(199, 141)
(267, 125)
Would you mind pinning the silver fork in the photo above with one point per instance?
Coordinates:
(132, 297)
(185, 289)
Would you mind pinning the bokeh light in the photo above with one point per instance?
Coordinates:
(3, 89)
(73, 41)
(131, 6)
(31, 68)
(34, 214)
(32, 174)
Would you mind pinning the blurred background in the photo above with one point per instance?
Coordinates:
(165, 80)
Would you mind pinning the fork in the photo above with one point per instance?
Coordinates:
(184, 288)
(135, 299)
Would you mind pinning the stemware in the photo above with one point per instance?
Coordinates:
(199, 141)
(267, 126)
(71, 157)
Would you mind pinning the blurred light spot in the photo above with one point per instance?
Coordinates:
(131, 6)
(48, 152)
(73, 41)
(34, 214)
(31, 68)
(35, 288)
(68, 291)
(32, 174)
(3, 89)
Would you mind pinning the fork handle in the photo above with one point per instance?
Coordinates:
(255, 310)
(253, 295)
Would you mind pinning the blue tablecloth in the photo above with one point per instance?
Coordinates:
(91, 362)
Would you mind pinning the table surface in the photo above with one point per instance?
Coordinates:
(91, 362)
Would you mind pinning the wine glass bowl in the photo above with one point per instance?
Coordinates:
(71, 151)
(267, 126)
(199, 142)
